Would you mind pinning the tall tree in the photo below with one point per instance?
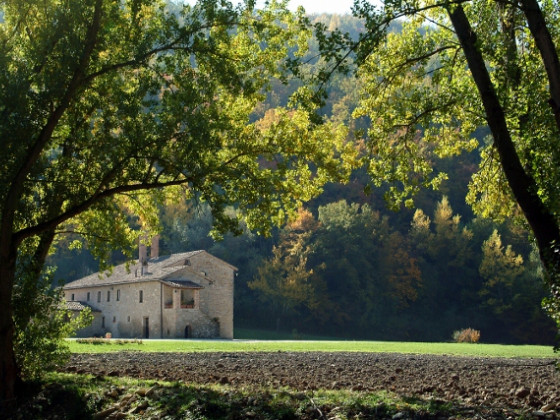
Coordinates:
(455, 67)
(108, 108)
(285, 281)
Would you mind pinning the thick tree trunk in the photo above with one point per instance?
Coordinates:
(547, 49)
(9, 373)
(543, 223)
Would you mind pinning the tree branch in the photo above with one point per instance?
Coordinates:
(524, 188)
(549, 55)
(87, 204)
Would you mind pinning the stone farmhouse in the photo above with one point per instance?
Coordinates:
(187, 295)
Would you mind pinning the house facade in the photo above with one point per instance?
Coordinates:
(187, 295)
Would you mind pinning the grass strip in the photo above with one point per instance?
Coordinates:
(85, 396)
(455, 349)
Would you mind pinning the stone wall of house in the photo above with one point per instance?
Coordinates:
(180, 321)
(216, 298)
(188, 322)
(122, 313)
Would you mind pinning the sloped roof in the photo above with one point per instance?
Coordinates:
(157, 269)
(76, 305)
(182, 284)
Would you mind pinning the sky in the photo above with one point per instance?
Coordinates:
(323, 6)
(312, 6)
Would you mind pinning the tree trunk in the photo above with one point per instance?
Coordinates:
(524, 188)
(9, 373)
(547, 49)
(28, 284)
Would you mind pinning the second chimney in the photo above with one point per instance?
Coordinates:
(142, 252)
(154, 250)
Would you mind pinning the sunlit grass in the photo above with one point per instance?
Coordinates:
(160, 399)
(457, 349)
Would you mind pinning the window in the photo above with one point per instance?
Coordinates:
(141, 296)
(103, 322)
(72, 296)
(187, 298)
(87, 296)
(108, 295)
(118, 294)
(128, 319)
(99, 296)
(114, 319)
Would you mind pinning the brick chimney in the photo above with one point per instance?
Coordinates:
(154, 249)
(142, 252)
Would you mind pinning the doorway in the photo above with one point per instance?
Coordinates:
(146, 327)
(188, 331)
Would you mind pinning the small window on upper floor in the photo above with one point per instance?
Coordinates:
(88, 295)
(99, 296)
(141, 296)
(72, 296)
(108, 295)
(118, 294)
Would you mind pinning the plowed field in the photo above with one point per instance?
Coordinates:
(530, 385)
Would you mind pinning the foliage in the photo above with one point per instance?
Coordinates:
(453, 69)
(42, 322)
(424, 103)
(468, 335)
(94, 341)
(413, 263)
(111, 109)
(377, 282)
(284, 280)
(552, 306)
(499, 267)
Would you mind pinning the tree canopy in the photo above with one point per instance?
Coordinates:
(456, 68)
(109, 108)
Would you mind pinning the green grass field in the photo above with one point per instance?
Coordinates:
(458, 349)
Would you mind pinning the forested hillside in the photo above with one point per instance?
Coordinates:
(350, 267)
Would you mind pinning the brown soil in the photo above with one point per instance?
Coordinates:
(529, 385)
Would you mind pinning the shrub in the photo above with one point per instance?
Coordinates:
(42, 321)
(100, 340)
(467, 335)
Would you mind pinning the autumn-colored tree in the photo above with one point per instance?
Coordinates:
(500, 267)
(512, 289)
(285, 281)
(403, 273)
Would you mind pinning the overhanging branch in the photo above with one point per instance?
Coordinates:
(87, 204)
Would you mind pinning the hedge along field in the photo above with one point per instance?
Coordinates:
(456, 349)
